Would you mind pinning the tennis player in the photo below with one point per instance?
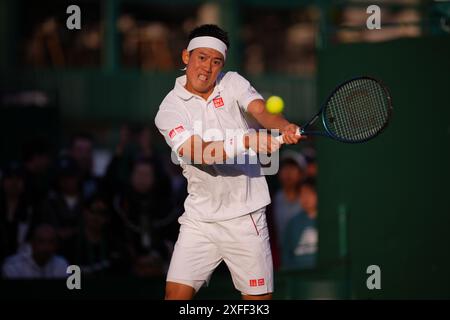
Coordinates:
(202, 120)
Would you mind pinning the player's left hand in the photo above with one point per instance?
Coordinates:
(289, 133)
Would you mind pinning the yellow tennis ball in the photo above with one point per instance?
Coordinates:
(274, 104)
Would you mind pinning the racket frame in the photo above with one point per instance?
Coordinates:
(325, 123)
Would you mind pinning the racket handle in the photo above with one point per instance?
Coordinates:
(280, 137)
(252, 153)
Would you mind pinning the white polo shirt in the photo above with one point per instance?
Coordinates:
(220, 191)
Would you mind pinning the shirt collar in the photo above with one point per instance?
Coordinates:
(184, 94)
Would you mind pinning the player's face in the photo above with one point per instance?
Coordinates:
(203, 65)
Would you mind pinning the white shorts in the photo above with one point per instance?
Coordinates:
(242, 242)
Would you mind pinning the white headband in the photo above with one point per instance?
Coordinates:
(208, 42)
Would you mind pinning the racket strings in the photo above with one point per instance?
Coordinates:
(358, 110)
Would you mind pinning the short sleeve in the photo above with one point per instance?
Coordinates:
(174, 127)
(243, 90)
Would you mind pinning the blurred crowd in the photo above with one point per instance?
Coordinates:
(55, 212)
(151, 37)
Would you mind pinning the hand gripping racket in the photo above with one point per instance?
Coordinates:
(356, 111)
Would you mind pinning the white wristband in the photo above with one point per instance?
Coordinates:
(234, 145)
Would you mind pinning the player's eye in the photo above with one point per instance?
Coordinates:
(218, 62)
(202, 58)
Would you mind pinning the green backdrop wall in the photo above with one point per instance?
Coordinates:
(393, 192)
(130, 95)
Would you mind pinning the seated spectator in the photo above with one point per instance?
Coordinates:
(178, 196)
(135, 142)
(299, 246)
(37, 175)
(63, 207)
(142, 210)
(311, 161)
(81, 150)
(16, 212)
(96, 249)
(286, 204)
(41, 261)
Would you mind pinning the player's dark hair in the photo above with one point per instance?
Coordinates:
(210, 30)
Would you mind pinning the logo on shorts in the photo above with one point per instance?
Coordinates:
(175, 131)
(256, 282)
(218, 102)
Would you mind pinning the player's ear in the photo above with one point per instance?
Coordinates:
(185, 56)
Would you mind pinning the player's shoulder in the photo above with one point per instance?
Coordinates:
(171, 106)
(171, 101)
(233, 81)
(229, 77)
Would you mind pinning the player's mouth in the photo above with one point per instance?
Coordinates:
(203, 77)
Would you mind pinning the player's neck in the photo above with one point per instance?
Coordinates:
(204, 95)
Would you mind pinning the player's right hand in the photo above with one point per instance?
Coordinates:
(290, 135)
(262, 142)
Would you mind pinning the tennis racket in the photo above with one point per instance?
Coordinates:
(356, 111)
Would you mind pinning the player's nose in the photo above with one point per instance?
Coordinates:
(207, 66)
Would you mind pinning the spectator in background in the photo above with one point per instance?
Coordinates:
(118, 170)
(63, 207)
(97, 250)
(142, 210)
(80, 149)
(40, 261)
(311, 161)
(286, 204)
(133, 141)
(37, 162)
(16, 213)
(299, 246)
(178, 196)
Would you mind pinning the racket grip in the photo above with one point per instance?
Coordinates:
(280, 137)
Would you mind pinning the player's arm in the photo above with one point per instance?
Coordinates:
(180, 136)
(197, 151)
(257, 109)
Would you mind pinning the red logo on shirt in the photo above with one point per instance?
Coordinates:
(256, 283)
(218, 102)
(173, 132)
